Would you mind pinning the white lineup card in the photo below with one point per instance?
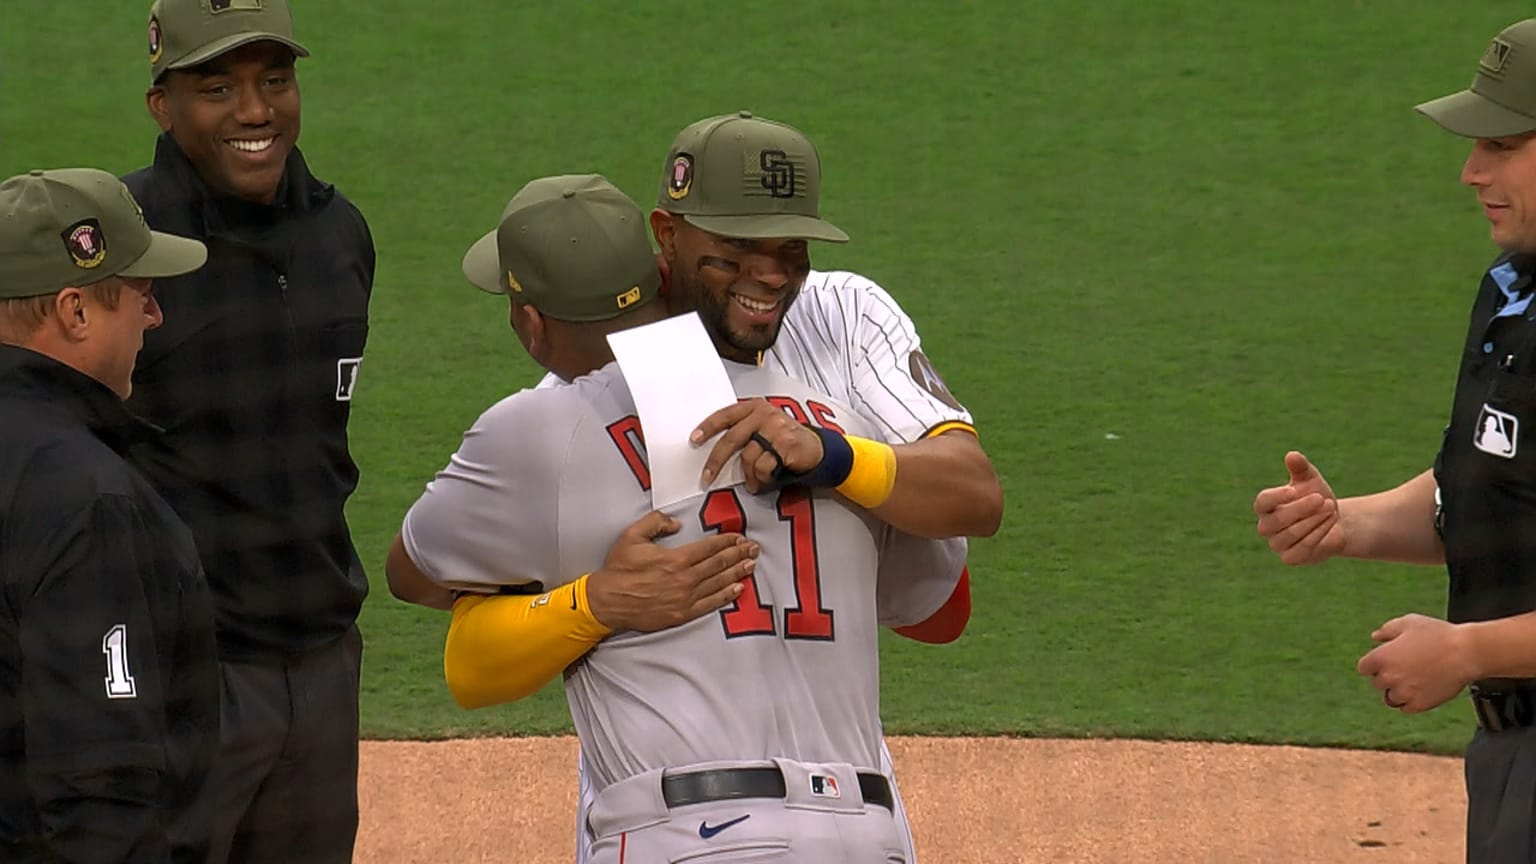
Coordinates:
(675, 375)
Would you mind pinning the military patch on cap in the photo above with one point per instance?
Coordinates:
(629, 298)
(682, 177)
(774, 172)
(86, 244)
(512, 283)
(1495, 57)
(928, 379)
(156, 46)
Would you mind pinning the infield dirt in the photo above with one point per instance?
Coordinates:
(974, 800)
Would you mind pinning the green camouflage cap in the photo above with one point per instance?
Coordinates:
(743, 176)
(1502, 98)
(185, 33)
(573, 246)
(78, 226)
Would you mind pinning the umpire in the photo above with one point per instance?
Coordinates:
(109, 706)
(1475, 510)
(253, 385)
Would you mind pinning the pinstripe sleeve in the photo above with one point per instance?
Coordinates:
(894, 383)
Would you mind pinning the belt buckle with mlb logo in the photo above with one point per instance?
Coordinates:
(824, 786)
(1497, 432)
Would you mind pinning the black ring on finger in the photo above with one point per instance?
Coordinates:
(768, 448)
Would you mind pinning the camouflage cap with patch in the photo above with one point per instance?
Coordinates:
(573, 246)
(744, 176)
(78, 226)
(186, 33)
(1502, 98)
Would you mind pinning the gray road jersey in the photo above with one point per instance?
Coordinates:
(547, 478)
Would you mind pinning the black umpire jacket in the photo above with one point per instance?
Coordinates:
(251, 377)
(1486, 469)
(109, 690)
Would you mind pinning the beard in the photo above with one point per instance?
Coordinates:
(741, 343)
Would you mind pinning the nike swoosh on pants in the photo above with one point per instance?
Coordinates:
(707, 830)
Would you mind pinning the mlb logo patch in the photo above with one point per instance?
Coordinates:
(346, 377)
(1497, 433)
(824, 786)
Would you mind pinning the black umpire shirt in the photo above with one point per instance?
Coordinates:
(1486, 468)
(251, 377)
(109, 713)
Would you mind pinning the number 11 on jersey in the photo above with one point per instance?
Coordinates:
(749, 615)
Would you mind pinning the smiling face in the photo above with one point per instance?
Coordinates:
(1503, 173)
(741, 288)
(236, 117)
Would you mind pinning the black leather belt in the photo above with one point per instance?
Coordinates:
(698, 787)
(1507, 709)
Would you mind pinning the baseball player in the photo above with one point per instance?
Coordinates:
(787, 619)
(843, 333)
(737, 203)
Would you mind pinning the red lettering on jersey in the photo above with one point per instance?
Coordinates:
(790, 407)
(824, 416)
(747, 615)
(807, 619)
(811, 414)
(628, 437)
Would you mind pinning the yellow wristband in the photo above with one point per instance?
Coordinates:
(873, 474)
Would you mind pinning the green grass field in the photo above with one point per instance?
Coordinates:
(1151, 246)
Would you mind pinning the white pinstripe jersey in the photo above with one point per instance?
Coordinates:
(846, 337)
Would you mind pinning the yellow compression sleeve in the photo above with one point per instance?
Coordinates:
(501, 648)
(873, 475)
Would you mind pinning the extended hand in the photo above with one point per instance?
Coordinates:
(1301, 518)
(646, 587)
(1420, 663)
(765, 436)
